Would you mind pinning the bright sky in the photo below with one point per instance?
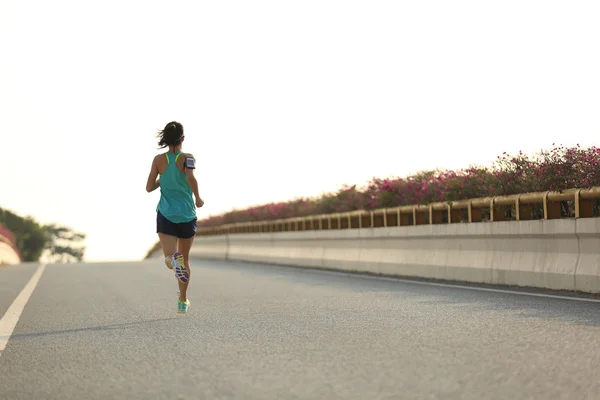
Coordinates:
(278, 99)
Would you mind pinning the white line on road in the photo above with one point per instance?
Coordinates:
(10, 319)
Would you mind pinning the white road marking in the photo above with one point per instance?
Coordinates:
(10, 319)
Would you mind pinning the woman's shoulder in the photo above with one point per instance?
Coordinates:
(159, 157)
(160, 160)
(185, 156)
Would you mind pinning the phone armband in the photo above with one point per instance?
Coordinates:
(190, 163)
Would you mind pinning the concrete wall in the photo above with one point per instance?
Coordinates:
(555, 254)
(210, 247)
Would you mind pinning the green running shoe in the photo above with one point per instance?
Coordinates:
(183, 306)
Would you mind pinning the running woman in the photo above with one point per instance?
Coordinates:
(176, 211)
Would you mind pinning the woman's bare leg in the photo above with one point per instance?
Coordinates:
(184, 248)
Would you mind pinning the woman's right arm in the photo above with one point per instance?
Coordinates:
(189, 173)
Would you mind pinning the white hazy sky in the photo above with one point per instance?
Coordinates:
(278, 99)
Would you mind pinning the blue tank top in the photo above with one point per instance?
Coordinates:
(176, 197)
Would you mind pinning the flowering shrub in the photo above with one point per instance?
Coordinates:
(557, 169)
(10, 237)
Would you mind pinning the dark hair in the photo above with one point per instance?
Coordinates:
(171, 135)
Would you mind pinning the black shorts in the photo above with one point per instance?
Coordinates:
(183, 230)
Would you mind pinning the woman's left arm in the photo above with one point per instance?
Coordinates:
(153, 183)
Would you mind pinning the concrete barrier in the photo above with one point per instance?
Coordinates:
(562, 254)
(211, 247)
(587, 270)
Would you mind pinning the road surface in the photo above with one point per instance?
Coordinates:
(110, 331)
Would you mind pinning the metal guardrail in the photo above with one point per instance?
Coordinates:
(572, 203)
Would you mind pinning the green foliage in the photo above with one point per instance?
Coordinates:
(31, 237)
(62, 244)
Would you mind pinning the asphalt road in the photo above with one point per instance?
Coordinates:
(110, 331)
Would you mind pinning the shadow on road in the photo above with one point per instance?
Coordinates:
(90, 329)
(584, 314)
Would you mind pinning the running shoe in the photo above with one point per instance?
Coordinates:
(169, 262)
(183, 306)
(181, 272)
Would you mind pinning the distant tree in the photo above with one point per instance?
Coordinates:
(59, 243)
(32, 238)
(65, 244)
